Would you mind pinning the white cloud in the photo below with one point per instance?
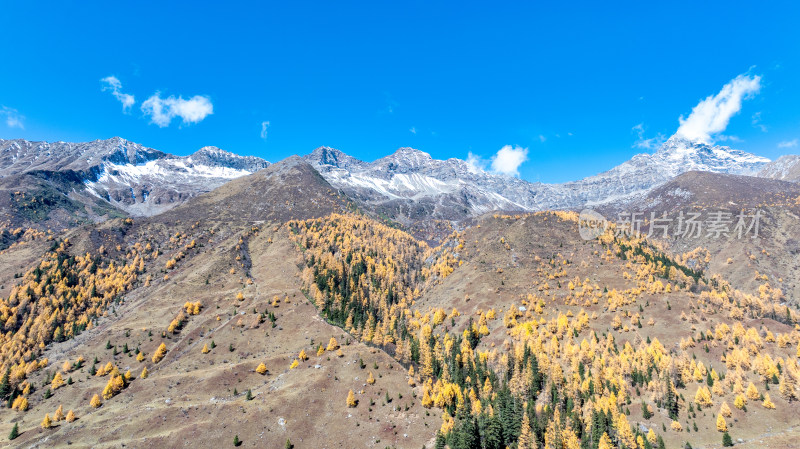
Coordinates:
(476, 163)
(163, 110)
(542, 138)
(711, 115)
(113, 84)
(788, 143)
(648, 144)
(505, 162)
(413, 130)
(508, 160)
(13, 118)
(727, 138)
(756, 121)
(264, 126)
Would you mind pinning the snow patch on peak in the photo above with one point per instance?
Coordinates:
(785, 168)
(412, 175)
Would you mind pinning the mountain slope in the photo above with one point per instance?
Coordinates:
(514, 316)
(230, 242)
(44, 199)
(287, 189)
(785, 168)
(748, 261)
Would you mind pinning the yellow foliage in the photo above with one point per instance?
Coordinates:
(20, 403)
(57, 382)
(59, 413)
(332, 344)
(725, 410)
(740, 402)
(427, 402)
(722, 425)
(767, 402)
(752, 392)
(160, 352)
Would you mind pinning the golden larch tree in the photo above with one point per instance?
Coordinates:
(767, 402)
(527, 439)
(725, 410)
(59, 414)
(333, 344)
(57, 382)
(605, 442)
(159, 354)
(722, 425)
(752, 392)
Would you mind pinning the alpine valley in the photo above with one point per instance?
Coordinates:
(153, 300)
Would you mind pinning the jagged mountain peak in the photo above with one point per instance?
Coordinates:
(450, 188)
(212, 150)
(19, 155)
(327, 156)
(688, 155)
(125, 174)
(215, 157)
(411, 152)
(408, 155)
(681, 146)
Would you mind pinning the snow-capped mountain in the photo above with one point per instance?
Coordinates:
(643, 172)
(785, 168)
(410, 182)
(445, 188)
(134, 178)
(408, 185)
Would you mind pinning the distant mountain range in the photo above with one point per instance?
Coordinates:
(88, 181)
(409, 183)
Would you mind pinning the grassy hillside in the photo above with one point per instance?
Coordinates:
(512, 333)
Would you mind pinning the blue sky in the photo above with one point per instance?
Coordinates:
(577, 85)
